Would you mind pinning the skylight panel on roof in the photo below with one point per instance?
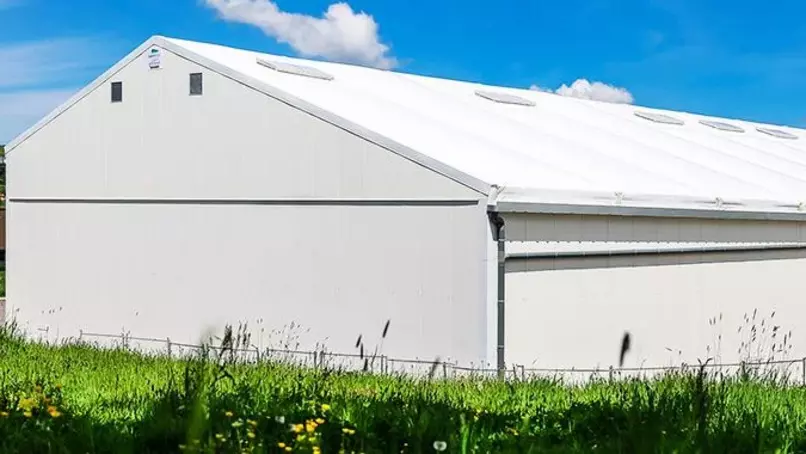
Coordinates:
(777, 133)
(659, 118)
(721, 126)
(504, 98)
(299, 70)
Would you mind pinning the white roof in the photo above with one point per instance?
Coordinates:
(553, 149)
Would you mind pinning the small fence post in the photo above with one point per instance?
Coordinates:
(803, 369)
(168, 342)
(80, 334)
(315, 356)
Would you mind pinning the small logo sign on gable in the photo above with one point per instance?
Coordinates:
(154, 58)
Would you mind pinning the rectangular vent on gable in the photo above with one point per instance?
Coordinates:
(504, 98)
(298, 70)
(659, 118)
(721, 126)
(117, 92)
(777, 133)
(196, 84)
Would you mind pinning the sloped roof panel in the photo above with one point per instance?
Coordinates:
(559, 144)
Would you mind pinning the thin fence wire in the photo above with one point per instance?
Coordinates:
(792, 370)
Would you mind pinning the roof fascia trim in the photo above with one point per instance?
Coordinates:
(397, 148)
(81, 94)
(657, 212)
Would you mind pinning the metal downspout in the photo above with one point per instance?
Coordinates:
(500, 237)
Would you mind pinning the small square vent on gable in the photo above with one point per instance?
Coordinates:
(298, 70)
(504, 98)
(777, 133)
(659, 118)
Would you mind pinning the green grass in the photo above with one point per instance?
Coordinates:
(115, 401)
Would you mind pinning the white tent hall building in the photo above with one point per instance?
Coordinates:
(194, 185)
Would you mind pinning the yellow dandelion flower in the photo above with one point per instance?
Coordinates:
(4, 414)
(251, 423)
(281, 445)
(28, 414)
(288, 449)
(54, 412)
(237, 424)
(229, 414)
(320, 421)
(27, 404)
(325, 407)
(316, 450)
(297, 428)
(219, 436)
(250, 434)
(301, 437)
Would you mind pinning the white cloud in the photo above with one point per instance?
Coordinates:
(21, 110)
(341, 34)
(598, 91)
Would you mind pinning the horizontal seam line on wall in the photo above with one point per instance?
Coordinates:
(561, 255)
(275, 202)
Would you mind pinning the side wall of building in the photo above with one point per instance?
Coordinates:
(168, 215)
(678, 308)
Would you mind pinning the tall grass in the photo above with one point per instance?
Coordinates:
(78, 398)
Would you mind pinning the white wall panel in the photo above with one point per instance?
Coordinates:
(573, 312)
(547, 227)
(176, 270)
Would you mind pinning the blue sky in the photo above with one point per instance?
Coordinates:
(739, 59)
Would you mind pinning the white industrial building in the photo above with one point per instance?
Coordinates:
(194, 185)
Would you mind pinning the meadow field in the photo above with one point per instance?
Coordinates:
(82, 399)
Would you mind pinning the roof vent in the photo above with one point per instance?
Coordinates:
(721, 126)
(659, 118)
(298, 70)
(777, 133)
(504, 98)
